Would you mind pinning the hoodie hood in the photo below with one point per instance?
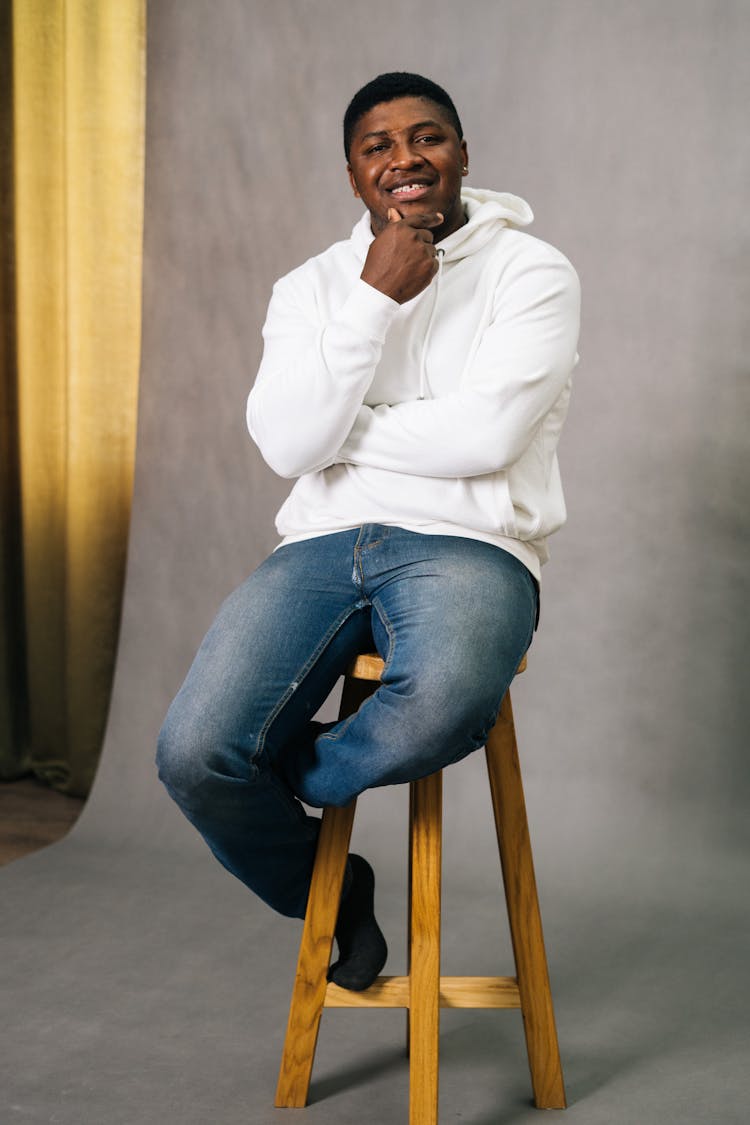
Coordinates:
(487, 212)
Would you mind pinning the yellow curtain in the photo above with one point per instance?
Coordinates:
(78, 99)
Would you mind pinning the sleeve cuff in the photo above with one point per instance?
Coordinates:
(368, 311)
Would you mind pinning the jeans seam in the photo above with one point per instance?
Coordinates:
(297, 680)
(384, 621)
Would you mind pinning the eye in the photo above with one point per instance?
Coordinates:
(373, 149)
(430, 138)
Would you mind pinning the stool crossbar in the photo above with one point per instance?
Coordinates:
(423, 991)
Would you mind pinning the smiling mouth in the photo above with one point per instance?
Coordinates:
(409, 191)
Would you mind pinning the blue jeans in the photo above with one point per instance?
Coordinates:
(451, 617)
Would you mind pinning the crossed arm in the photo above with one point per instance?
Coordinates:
(306, 410)
(521, 367)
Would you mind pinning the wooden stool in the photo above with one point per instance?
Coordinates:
(423, 991)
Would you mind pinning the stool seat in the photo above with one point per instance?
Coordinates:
(423, 991)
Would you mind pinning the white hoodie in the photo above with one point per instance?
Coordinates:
(441, 415)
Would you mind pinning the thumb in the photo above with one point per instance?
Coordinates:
(394, 216)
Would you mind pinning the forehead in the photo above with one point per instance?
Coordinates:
(398, 115)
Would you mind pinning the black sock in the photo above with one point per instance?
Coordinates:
(362, 947)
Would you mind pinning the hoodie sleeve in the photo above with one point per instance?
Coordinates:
(313, 377)
(521, 367)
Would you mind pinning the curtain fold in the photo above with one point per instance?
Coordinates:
(78, 96)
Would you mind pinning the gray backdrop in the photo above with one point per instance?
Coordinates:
(147, 986)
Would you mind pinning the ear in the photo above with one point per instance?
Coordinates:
(352, 181)
(465, 156)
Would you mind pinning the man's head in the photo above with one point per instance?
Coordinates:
(388, 87)
(405, 149)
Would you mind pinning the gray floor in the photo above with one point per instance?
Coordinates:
(145, 986)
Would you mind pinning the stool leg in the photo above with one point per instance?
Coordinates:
(523, 911)
(424, 944)
(408, 907)
(314, 957)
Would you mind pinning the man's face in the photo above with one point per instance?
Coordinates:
(406, 154)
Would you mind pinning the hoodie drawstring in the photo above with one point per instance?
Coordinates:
(426, 341)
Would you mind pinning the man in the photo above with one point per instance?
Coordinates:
(415, 379)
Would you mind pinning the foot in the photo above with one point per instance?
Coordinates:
(362, 947)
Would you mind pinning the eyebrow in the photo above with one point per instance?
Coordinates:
(386, 132)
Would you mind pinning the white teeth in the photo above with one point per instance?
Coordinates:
(407, 188)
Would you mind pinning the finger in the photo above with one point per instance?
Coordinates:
(393, 215)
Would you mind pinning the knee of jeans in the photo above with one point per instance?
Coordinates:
(454, 702)
(189, 761)
(174, 762)
(445, 729)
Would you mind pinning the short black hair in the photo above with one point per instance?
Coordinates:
(388, 87)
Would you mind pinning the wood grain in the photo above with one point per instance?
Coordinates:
(454, 992)
(512, 829)
(424, 944)
(309, 990)
(32, 816)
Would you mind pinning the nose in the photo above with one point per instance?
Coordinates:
(403, 155)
